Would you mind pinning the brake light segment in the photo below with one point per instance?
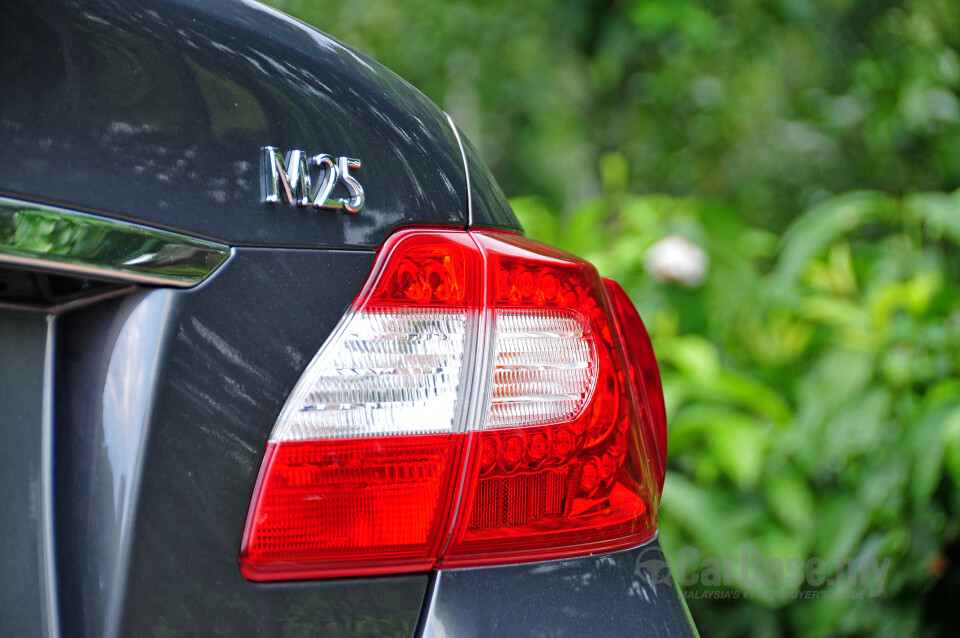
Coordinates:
(344, 507)
(474, 407)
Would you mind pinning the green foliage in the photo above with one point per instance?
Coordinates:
(812, 150)
(812, 391)
(767, 105)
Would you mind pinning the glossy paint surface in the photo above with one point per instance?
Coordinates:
(165, 403)
(157, 111)
(25, 604)
(109, 362)
(629, 593)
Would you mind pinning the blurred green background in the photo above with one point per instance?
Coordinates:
(808, 323)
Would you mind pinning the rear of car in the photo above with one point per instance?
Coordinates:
(275, 358)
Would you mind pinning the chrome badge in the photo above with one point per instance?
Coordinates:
(288, 180)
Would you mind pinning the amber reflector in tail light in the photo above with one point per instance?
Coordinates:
(476, 405)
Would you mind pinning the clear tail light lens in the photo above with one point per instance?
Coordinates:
(476, 405)
(543, 368)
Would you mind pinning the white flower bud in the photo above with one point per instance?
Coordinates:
(677, 259)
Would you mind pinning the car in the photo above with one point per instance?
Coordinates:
(276, 358)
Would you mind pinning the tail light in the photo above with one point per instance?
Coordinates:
(487, 399)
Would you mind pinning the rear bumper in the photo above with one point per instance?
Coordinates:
(629, 593)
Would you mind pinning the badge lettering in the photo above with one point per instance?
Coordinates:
(288, 180)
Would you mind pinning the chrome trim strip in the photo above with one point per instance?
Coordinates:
(466, 168)
(60, 240)
(48, 558)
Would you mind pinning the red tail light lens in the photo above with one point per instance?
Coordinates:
(475, 406)
(344, 507)
(644, 375)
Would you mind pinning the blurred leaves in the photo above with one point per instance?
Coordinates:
(812, 391)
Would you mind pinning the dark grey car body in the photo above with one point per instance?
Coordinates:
(134, 418)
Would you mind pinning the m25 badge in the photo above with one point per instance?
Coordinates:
(288, 180)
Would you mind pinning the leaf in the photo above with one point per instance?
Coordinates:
(738, 445)
(816, 229)
(841, 525)
(833, 311)
(940, 213)
(692, 355)
(790, 498)
(932, 442)
(951, 440)
(739, 390)
(861, 426)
